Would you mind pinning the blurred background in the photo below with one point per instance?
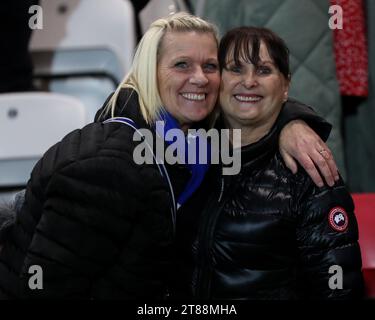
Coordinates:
(60, 59)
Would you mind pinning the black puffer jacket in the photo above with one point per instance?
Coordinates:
(98, 224)
(266, 233)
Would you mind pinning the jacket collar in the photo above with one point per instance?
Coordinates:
(127, 105)
(254, 155)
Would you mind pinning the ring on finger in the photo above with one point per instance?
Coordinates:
(324, 153)
(321, 150)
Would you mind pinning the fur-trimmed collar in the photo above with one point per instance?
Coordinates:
(8, 212)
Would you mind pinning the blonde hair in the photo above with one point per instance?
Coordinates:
(142, 76)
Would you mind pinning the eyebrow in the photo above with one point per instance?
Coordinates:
(189, 58)
(213, 60)
(261, 62)
(266, 61)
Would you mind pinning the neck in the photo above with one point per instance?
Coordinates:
(249, 133)
(173, 122)
(184, 128)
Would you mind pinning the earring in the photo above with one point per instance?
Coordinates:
(285, 96)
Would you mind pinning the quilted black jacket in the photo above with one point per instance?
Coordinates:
(97, 224)
(268, 234)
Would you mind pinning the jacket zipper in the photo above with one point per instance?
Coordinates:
(206, 237)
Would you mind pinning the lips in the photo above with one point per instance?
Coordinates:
(248, 97)
(194, 96)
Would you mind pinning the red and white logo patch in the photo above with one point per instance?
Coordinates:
(338, 219)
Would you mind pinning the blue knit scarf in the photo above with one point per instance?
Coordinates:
(197, 170)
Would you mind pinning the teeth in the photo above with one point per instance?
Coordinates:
(247, 98)
(194, 96)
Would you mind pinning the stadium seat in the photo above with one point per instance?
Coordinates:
(84, 49)
(365, 213)
(30, 123)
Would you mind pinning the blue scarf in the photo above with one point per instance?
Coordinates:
(197, 170)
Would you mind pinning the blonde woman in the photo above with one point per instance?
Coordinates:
(97, 223)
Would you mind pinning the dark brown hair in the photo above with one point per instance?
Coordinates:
(245, 42)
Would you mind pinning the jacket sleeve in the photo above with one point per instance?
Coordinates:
(294, 110)
(328, 250)
(88, 214)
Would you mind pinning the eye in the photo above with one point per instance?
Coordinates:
(264, 70)
(213, 67)
(181, 64)
(235, 68)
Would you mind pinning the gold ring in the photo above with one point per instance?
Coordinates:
(321, 151)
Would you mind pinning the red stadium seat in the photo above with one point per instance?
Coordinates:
(365, 213)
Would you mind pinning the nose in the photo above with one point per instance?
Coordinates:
(198, 78)
(250, 79)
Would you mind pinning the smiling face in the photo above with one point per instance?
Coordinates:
(251, 96)
(188, 75)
